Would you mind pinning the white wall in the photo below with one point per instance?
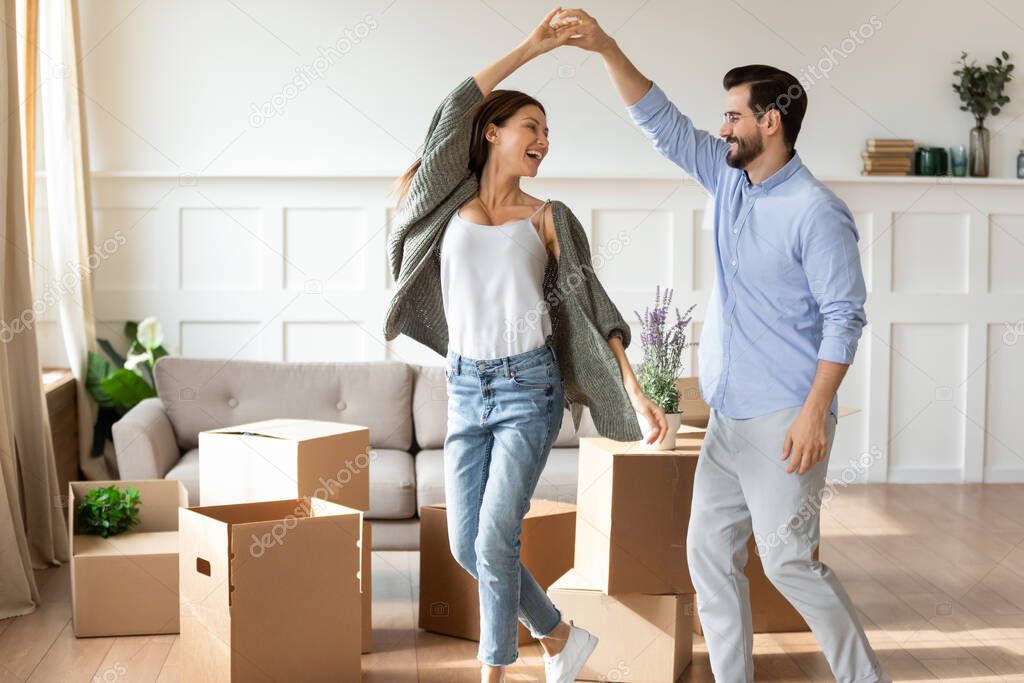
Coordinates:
(171, 84)
(267, 242)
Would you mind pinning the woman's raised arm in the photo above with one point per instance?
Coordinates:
(543, 39)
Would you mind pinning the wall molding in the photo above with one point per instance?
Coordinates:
(936, 376)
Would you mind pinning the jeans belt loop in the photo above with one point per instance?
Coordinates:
(508, 371)
(458, 364)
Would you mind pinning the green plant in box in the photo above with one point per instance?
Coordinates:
(108, 511)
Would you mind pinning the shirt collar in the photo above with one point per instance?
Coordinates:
(780, 176)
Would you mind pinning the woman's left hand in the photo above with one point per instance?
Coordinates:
(545, 37)
(651, 412)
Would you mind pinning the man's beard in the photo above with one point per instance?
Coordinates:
(746, 151)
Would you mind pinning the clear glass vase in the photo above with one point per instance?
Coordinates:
(979, 151)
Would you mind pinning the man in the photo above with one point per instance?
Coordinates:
(780, 332)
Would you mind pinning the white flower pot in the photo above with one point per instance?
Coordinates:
(667, 443)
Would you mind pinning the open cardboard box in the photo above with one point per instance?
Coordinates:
(641, 638)
(449, 595)
(127, 584)
(270, 591)
(285, 458)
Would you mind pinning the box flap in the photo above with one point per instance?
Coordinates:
(691, 430)
(289, 429)
(847, 410)
(540, 507)
(128, 544)
(574, 581)
(263, 511)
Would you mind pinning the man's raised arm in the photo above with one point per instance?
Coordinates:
(698, 152)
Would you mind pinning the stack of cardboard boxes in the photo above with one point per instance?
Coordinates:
(269, 577)
(630, 585)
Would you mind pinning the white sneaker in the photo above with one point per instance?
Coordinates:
(564, 667)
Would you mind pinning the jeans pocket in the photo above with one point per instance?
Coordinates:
(537, 377)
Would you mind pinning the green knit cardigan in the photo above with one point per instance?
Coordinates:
(583, 317)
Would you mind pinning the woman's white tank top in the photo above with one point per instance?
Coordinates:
(492, 287)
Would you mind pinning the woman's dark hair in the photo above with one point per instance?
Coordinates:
(772, 88)
(497, 108)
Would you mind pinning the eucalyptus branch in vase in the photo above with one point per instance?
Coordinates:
(981, 93)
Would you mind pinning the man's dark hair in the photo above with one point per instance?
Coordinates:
(772, 88)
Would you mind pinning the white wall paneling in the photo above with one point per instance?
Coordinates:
(294, 268)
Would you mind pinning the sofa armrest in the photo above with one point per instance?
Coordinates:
(144, 442)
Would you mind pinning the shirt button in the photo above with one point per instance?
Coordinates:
(233, 402)
(340, 405)
(734, 262)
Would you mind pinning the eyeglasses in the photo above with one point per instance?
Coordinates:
(732, 117)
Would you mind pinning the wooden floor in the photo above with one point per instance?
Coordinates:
(936, 573)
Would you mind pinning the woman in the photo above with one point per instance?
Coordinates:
(501, 284)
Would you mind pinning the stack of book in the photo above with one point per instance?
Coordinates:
(888, 157)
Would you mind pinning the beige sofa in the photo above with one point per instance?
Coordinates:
(404, 406)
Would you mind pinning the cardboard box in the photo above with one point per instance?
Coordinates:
(770, 611)
(127, 584)
(270, 591)
(641, 638)
(279, 459)
(632, 511)
(366, 586)
(449, 596)
(696, 412)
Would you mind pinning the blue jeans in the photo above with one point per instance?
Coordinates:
(503, 416)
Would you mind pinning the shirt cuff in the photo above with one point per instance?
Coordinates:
(644, 108)
(836, 350)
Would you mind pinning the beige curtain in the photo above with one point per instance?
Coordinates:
(69, 211)
(32, 531)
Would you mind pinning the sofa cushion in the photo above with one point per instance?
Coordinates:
(392, 485)
(392, 482)
(430, 412)
(186, 470)
(200, 394)
(429, 405)
(557, 480)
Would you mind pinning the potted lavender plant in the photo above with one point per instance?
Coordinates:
(663, 345)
